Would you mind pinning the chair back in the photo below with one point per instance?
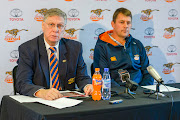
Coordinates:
(92, 69)
(14, 78)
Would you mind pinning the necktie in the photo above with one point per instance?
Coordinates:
(54, 69)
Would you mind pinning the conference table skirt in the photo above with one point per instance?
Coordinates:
(140, 108)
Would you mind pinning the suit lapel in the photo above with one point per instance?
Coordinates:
(62, 63)
(44, 60)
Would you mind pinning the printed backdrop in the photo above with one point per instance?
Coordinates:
(155, 23)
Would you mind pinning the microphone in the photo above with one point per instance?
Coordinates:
(155, 74)
(125, 78)
(124, 75)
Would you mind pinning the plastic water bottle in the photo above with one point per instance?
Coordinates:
(106, 85)
(97, 83)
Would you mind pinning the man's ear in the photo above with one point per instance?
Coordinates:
(112, 24)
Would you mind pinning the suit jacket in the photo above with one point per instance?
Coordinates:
(33, 66)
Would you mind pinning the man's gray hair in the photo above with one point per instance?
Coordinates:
(55, 12)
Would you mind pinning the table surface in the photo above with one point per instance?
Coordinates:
(139, 108)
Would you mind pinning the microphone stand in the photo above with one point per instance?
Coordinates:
(157, 91)
(127, 90)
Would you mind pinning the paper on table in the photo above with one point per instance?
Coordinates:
(162, 88)
(22, 98)
(58, 103)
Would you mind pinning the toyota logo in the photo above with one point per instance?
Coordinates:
(14, 54)
(73, 13)
(149, 31)
(171, 48)
(16, 12)
(171, 81)
(173, 13)
(99, 31)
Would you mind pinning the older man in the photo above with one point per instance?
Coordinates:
(49, 63)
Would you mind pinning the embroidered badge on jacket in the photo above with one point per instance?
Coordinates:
(64, 61)
(113, 58)
(71, 80)
(136, 57)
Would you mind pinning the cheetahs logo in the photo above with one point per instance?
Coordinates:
(146, 14)
(171, 29)
(92, 54)
(168, 67)
(71, 31)
(42, 11)
(169, 32)
(14, 32)
(40, 14)
(169, 1)
(12, 35)
(147, 48)
(98, 11)
(9, 72)
(96, 14)
(8, 79)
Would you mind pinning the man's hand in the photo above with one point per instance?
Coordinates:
(88, 89)
(48, 94)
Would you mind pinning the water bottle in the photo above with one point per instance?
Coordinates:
(106, 85)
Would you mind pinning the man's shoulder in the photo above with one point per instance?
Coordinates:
(136, 40)
(70, 42)
(100, 42)
(32, 42)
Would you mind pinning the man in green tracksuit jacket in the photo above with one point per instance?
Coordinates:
(117, 49)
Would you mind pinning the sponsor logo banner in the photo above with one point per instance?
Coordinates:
(40, 14)
(8, 78)
(12, 35)
(97, 14)
(169, 32)
(73, 13)
(147, 48)
(16, 14)
(146, 14)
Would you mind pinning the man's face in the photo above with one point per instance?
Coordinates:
(122, 25)
(53, 28)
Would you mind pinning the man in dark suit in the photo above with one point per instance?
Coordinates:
(34, 73)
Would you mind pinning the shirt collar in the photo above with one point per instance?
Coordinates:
(48, 46)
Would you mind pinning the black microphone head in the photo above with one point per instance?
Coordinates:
(124, 75)
(125, 78)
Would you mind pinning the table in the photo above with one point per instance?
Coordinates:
(140, 108)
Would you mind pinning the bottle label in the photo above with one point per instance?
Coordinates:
(106, 83)
(97, 82)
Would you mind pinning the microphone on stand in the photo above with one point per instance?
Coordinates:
(158, 78)
(125, 78)
(155, 74)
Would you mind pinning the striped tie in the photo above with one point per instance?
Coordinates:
(54, 69)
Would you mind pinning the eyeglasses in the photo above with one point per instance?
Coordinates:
(52, 25)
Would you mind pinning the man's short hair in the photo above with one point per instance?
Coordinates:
(124, 11)
(55, 12)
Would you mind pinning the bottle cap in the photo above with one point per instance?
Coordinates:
(97, 69)
(106, 69)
